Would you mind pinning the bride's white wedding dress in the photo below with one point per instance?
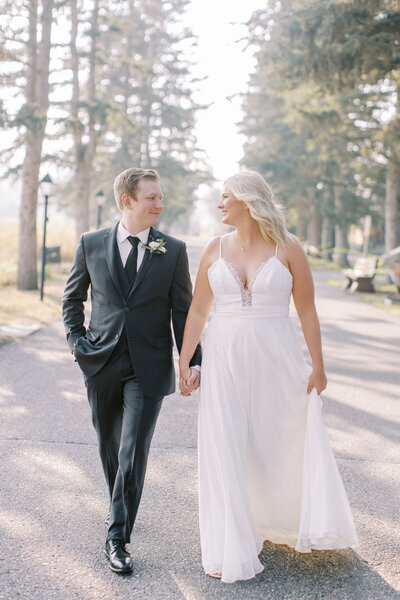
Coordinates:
(266, 469)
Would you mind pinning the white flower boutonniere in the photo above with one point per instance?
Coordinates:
(156, 246)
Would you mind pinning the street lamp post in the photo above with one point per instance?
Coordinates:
(100, 199)
(45, 186)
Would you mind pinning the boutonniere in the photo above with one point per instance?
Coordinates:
(156, 246)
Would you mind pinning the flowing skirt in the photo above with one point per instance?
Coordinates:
(266, 468)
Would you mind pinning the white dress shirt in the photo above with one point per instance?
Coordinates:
(124, 245)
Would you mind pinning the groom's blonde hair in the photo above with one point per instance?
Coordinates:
(250, 187)
(127, 182)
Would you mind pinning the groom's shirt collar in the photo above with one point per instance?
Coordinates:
(124, 245)
(123, 233)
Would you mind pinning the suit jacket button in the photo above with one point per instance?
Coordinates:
(127, 309)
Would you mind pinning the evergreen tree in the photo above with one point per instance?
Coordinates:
(148, 83)
(88, 109)
(329, 133)
(352, 46)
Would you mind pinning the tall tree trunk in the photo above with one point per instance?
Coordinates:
(27, 273)
(301, 223)
(327, 235)
(328, 227)
(84, 152)
(314, 228)
(37, 103)
(341, 239)
(392, 204)
(147, 108)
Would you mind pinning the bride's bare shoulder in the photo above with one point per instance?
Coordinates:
(296, 256)
(293, 245)
(211, 251)
(213, 244)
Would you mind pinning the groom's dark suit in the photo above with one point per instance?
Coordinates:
(126, 353)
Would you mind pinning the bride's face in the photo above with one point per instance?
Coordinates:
(232, 210)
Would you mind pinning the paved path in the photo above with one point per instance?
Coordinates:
(53, 499)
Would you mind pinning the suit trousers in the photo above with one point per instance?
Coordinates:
(124, 420)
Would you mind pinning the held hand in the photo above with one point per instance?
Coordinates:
(317, 380)
(194, 379)
(184, 376)
(189, 380)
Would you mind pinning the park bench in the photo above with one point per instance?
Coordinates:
(53, 254)
(359, 278)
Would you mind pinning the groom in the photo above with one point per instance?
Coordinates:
(139, 281)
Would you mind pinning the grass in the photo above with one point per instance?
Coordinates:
(24, 307)
(59, 233)
(19, 307)
(320, 264)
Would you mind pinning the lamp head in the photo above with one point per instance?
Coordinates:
(46, 185)
(100, 198)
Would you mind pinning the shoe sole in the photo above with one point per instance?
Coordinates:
(119, 571)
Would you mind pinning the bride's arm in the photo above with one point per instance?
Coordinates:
(303, 297)
(199, 309)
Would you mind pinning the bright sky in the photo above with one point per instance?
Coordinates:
(217, 25)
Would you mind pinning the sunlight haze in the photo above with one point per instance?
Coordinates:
(220, 57)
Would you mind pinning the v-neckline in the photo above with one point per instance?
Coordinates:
(252, 280)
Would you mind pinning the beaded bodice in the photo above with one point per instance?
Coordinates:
(266, 294)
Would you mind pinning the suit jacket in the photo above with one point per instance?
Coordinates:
(161, 291)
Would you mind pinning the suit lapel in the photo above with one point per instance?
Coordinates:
(147, 259)
(110, 247)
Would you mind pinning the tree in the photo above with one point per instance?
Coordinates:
(327, 133)
(84, 113)
(33, 58)
(122, 96)
(353, 45)
(152, 115)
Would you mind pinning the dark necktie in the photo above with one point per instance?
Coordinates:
(131, 263)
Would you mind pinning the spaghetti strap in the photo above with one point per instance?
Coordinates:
(276, 251)
(220, 246)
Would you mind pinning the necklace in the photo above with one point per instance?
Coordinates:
(244, 247)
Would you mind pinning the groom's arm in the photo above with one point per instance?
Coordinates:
(181, 298)
(75, 294)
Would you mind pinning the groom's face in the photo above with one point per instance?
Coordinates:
(147, 205)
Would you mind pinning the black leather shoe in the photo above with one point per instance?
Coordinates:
(118, 556)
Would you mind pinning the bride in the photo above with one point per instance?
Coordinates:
(266, 469)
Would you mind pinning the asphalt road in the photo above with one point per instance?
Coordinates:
(53, 497)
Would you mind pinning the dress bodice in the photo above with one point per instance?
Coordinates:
(267, 294)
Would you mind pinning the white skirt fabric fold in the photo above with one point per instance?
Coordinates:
(325, 518)
(266, 469)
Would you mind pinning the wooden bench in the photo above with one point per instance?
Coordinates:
(360, 277)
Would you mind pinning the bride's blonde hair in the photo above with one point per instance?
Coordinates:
(250, 187)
